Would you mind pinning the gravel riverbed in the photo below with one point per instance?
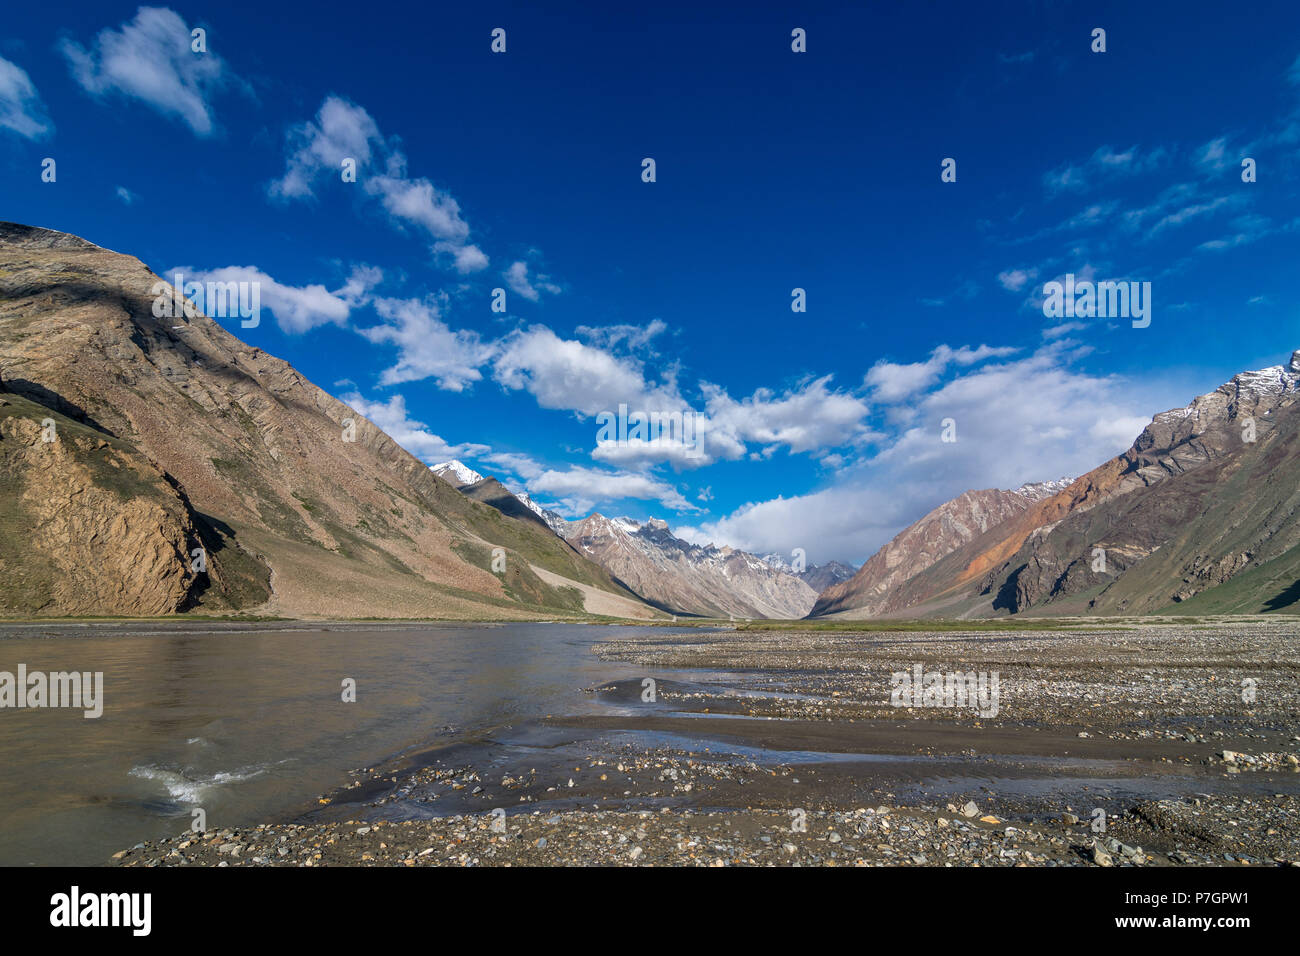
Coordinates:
(1142, 744)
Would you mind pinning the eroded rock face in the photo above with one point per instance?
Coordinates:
(1170, 478)
(91, 527)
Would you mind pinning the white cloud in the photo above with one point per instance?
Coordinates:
(21, 109)
(297, 309)
(1248, 229)
(575, 376)
(150, 59)
(892, 382)
(1032, 418)
(1213, 156)
(125, 196)
(419, 203)
(516, 464)
(570, 375)
(804, 419)
(414, 436)
(580, 490)
(344, 130)
(1013, 280)
(517, 278)
(1103, 165)
(428, 348)
(465, 258)
(832, 524)
(341, 130)
(630, 337)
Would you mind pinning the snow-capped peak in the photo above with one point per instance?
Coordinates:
(1038, 490)
(529, 503)
(457, 472)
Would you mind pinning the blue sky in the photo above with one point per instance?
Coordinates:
(775, 170)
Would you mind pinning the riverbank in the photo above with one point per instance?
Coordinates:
(1145, 745)
(1157, 834)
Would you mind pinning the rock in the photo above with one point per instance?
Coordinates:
(1069, 819)
(1101, 857)
(970, 809)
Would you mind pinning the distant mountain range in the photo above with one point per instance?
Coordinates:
(817, 576)
(1199, 515)
(664, 570)
(688, 578)
(471, 482)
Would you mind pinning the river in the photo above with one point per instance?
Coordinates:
(247, 723)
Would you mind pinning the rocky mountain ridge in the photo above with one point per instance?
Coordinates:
(176, 446)
(1119, 539)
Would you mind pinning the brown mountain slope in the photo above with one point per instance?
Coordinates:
(1032, 558)
(333, 527)
(917, 547)
(1192, 534)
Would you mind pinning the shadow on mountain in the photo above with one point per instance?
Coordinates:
(54, 402)
(1284, 599)
(1007, 598)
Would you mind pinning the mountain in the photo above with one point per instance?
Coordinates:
(495, 494)
(688, 578)
(554, 520)
(456, 473)
(659, 567)
(817, 576)
(1199, 513)
(192, 472)
(920, 545)
(520, 506)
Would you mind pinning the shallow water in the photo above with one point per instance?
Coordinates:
(249, 725)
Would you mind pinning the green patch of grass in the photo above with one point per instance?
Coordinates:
(911, 624)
